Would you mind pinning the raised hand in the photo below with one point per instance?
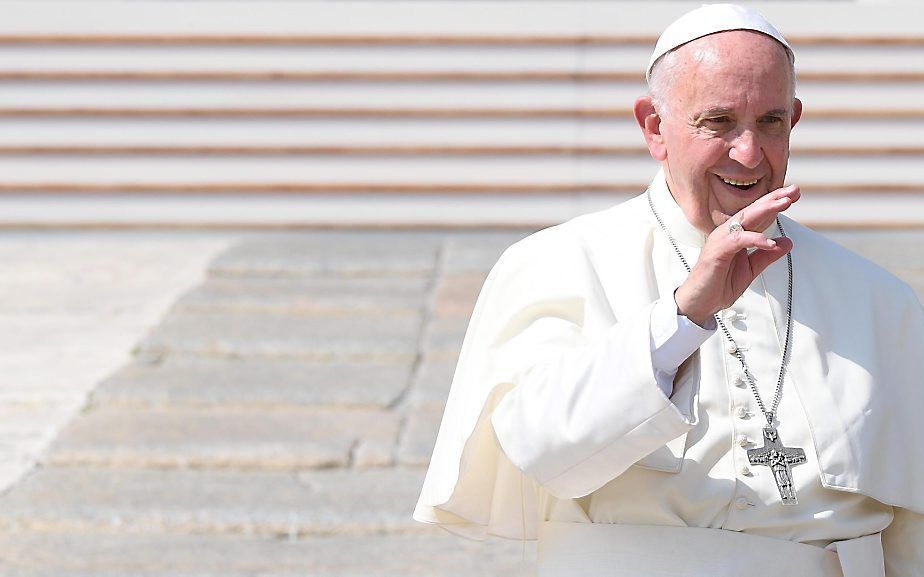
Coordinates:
(725, 269)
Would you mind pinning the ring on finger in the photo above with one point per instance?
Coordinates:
(734, 226)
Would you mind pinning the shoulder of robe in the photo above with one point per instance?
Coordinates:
(580, 242)
(853, 274)
(559, 272)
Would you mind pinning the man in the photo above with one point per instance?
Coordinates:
(690, 382)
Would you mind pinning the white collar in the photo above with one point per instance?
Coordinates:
(672, 215)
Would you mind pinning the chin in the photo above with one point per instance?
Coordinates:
(732, 199)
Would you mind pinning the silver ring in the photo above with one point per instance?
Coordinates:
(734, 226)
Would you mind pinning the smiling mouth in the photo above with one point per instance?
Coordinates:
(739, 184)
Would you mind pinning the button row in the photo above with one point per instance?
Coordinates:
(732, 348)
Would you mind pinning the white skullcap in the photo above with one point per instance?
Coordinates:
(709, 19)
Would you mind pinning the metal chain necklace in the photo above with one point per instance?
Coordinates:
(773, 454)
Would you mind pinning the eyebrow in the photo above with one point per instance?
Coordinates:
(718, 111)
(722, 111)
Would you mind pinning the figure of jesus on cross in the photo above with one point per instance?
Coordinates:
(780, 459)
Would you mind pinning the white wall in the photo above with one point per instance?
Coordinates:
(97, 129)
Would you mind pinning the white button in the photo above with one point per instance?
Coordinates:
(741, 503)
(746, 471)
(743, 440)
(741, 412)
(731, 315)
(731, 348)
(740, 381)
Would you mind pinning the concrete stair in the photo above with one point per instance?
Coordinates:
(265, 457)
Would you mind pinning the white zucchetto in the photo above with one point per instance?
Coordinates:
(710, 19)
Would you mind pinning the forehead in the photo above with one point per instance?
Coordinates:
(732, 67)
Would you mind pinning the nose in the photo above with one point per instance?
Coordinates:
(746, 149)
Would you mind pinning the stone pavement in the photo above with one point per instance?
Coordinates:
(278, 421)
(71, 307)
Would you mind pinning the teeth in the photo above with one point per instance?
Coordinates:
(739, 182)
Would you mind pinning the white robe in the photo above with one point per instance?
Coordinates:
(554, 413)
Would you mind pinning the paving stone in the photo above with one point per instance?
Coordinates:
(331, 501)
(477, 251)
(456, 294)
(339, 253)
(335, 296)
(383, 339)
(419, 437)
(444, 336)
(893, 249)
(368, 454)
(102, 555)
(431, 384)
(241, 439)
(184, 380)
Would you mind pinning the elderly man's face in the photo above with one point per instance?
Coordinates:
(724, 139)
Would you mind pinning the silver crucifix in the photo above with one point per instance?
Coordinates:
(780, 459)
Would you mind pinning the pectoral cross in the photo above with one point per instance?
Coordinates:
(780, 459)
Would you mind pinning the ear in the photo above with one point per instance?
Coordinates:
(796, 111)
(650, 122)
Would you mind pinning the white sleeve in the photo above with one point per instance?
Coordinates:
(673, 339)
(576, 421)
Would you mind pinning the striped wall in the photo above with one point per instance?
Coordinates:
(410, 113)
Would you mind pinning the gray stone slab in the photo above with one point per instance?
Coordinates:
(321, 338)
(184, 380)
(332, 252)
(239, 439)
(333, 501)
(443, 337)
(456, 293)
(336, 296)
(419, 437)
(477, 251)
(431, 385)
(107, 555)
(893, 249)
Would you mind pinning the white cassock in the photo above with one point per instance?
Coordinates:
(556, 428)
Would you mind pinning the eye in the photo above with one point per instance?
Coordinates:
(771, 120)
(718, 120)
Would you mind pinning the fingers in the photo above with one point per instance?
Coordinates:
(761, 213)
(761, 259)
(746, 239)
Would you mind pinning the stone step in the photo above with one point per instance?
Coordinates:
(364, 296)
(275, 335)
(889, 248)
(253, 382)
(456, 293)
(476, 251)
(332, 253)
(419, 437)
(443, 338)
(333, 501)
(431, 384)
(237, 439)
(26, 554)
